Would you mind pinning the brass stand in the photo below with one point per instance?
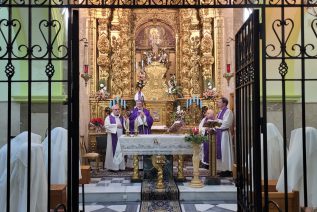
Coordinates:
(180, 172)
(196, 182)
(135, 176)
(158, 162)
(212, 179)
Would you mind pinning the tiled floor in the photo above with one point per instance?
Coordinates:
(186, 207)
(118, 194)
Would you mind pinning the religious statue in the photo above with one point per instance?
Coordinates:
(102, 93)
(155, 40)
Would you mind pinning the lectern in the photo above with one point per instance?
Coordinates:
(212, 179)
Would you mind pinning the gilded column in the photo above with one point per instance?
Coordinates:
(103, 45)
(195, 54)
(185, 17)
(207, 44)
(126, 51)
(121, 53)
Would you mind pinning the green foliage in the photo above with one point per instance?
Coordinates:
(196, 139)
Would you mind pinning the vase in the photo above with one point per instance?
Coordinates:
(196, 182)
(98, 129)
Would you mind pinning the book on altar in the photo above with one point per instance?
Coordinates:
(212, 123)
(176, 126)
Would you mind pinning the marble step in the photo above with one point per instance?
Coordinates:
(125, 191)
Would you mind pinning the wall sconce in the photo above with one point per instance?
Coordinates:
(228, 74)
(85, 74)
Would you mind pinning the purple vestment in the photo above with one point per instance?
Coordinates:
(143, 129)
(206, 146)
(219, 133)
(114, 136)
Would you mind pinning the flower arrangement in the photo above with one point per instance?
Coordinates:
(173, 88)
(97, 122)
(210, 92)
(195, 137)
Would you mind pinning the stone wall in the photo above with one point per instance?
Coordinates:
(293, 116)
(39, 119)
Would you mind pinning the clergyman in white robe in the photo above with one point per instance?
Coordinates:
(295, 173)
(224, 138)
(18, 175)
(112, 129)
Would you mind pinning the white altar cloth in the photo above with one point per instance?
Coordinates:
(153, 144)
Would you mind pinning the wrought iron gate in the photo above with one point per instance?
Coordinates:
(32, 53)
(247, 115)
(28, 55)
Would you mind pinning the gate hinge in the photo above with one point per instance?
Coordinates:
(260, 30)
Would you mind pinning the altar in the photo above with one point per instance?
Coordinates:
(157, 145)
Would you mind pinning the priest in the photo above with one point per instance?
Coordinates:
(224, 139)
(209, 115)
(114, 125)
(140, 119)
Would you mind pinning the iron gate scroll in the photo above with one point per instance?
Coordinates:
(39, 56)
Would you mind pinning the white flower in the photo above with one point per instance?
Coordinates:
(214, 89)
(102, 85)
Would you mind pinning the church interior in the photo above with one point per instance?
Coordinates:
(150, 80)
(177, 57)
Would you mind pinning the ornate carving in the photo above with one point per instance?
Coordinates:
(103, 45)
(195, 64)
(207, 59)
(185, 16)
(121, 56)
(155, 89)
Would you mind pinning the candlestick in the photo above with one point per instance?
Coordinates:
(136, 130)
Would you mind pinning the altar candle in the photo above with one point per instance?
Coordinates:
(197, 100)
(187, 101)
(201, 103)
(124, 104)
(190, 101)
(110, 104)
(127, 125)
(121, 102)
(136, 125)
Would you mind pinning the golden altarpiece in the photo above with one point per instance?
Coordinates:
(154, 46)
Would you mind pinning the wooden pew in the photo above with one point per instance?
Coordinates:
(278, 198)
(58, 191)
(58, 195)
